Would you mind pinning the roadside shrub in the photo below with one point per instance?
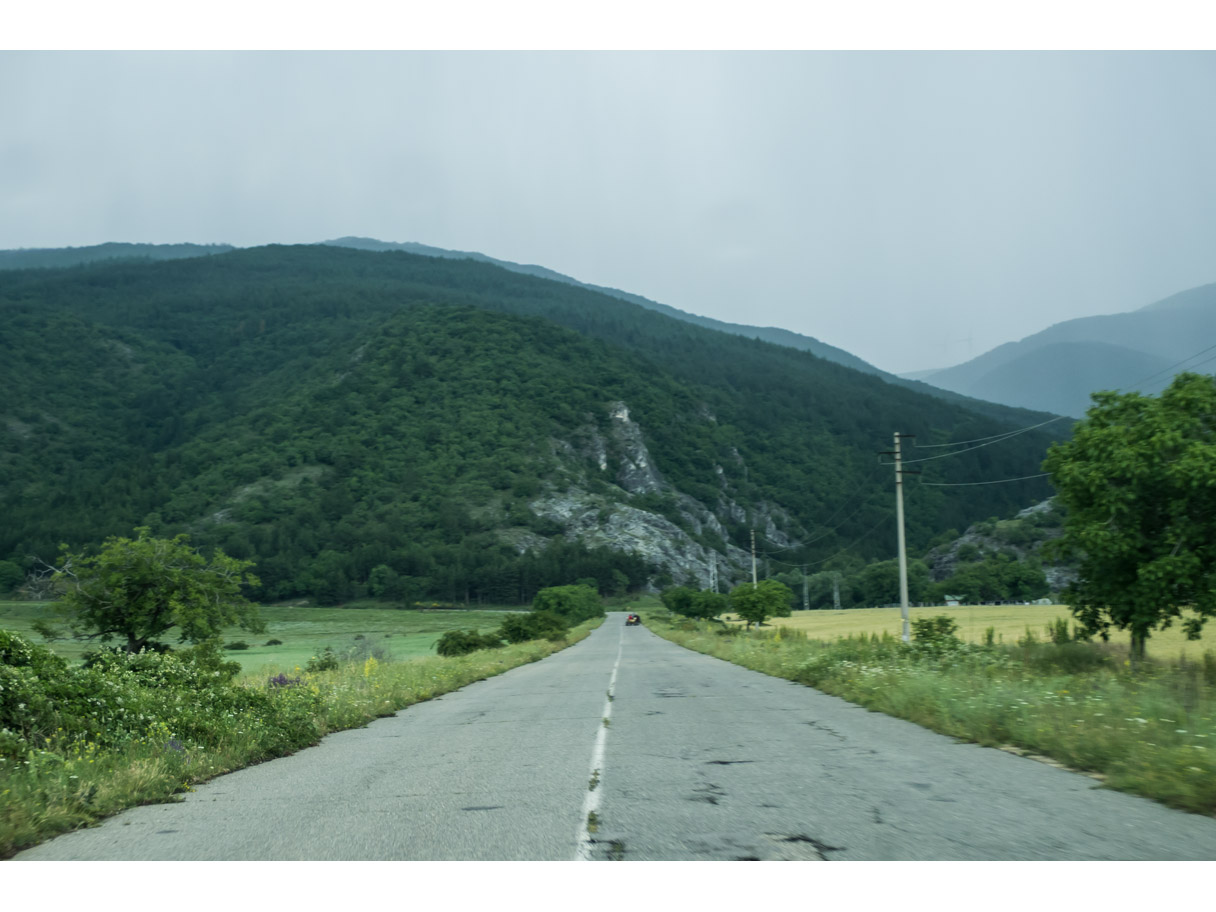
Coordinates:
(238, 644)
(462, 642)
(274, 642)
(125, 698)
(535, 625)
(1069, 657)
(935, 631)
(1058, 631)
(325, 660)
(18, 652)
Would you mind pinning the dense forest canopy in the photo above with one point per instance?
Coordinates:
(330, 412)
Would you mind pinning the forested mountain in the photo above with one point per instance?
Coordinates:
(353, 420)
(1057, 369)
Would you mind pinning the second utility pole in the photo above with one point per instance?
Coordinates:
(903, 548)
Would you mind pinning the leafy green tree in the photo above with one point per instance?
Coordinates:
(620, 582)
(1138, 479)
(693, 603)
(574, 604)
(678, 599)
(10, 576)
(384, 582)
(756, 604)
(878, 583)
(138, 589)
(707, 604)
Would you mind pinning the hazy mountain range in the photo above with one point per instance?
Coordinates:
(1056, 370)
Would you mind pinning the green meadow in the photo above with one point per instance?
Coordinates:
(303, 631)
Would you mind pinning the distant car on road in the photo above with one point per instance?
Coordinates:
(632, 621)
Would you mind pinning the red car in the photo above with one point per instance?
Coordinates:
(632, 621)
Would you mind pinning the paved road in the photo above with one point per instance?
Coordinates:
(700, 760)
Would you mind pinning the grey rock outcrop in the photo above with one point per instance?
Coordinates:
(681, 541)
(1022, 537)
(595, 522)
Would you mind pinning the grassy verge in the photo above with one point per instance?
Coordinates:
(1150, 731)
(157, 727)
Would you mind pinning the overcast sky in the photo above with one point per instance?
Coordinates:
(914, 208)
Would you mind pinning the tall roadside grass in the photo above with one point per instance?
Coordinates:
(78, 745)
(1149, 730)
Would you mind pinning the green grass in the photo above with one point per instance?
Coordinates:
(1150, 731)
(302, 630)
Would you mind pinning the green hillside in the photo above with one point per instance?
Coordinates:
(464, 431)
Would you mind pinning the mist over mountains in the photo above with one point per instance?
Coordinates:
(477, 430)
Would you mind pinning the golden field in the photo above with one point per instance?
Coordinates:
(1009, 621)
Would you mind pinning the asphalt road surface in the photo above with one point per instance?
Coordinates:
(698, 759)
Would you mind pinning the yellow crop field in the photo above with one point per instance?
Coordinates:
(1009, 621)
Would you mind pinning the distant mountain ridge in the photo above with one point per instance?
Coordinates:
(59, 257)
(1058, 368)
(768, 334)
(76, 256)
(774, 335)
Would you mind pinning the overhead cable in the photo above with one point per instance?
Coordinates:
(968, 484)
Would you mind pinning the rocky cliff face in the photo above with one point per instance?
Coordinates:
(614, 521)
(1023, 536)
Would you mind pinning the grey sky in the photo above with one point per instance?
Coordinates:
(914, 208)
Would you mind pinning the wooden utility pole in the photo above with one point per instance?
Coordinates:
(903, 548)
(900, 472)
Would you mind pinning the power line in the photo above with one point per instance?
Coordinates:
(1192, 367)
(933, 446)
(1172, 366)
(997, 438)
(847, 547)
(968, 484)
(981, 446)
(828, 531)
